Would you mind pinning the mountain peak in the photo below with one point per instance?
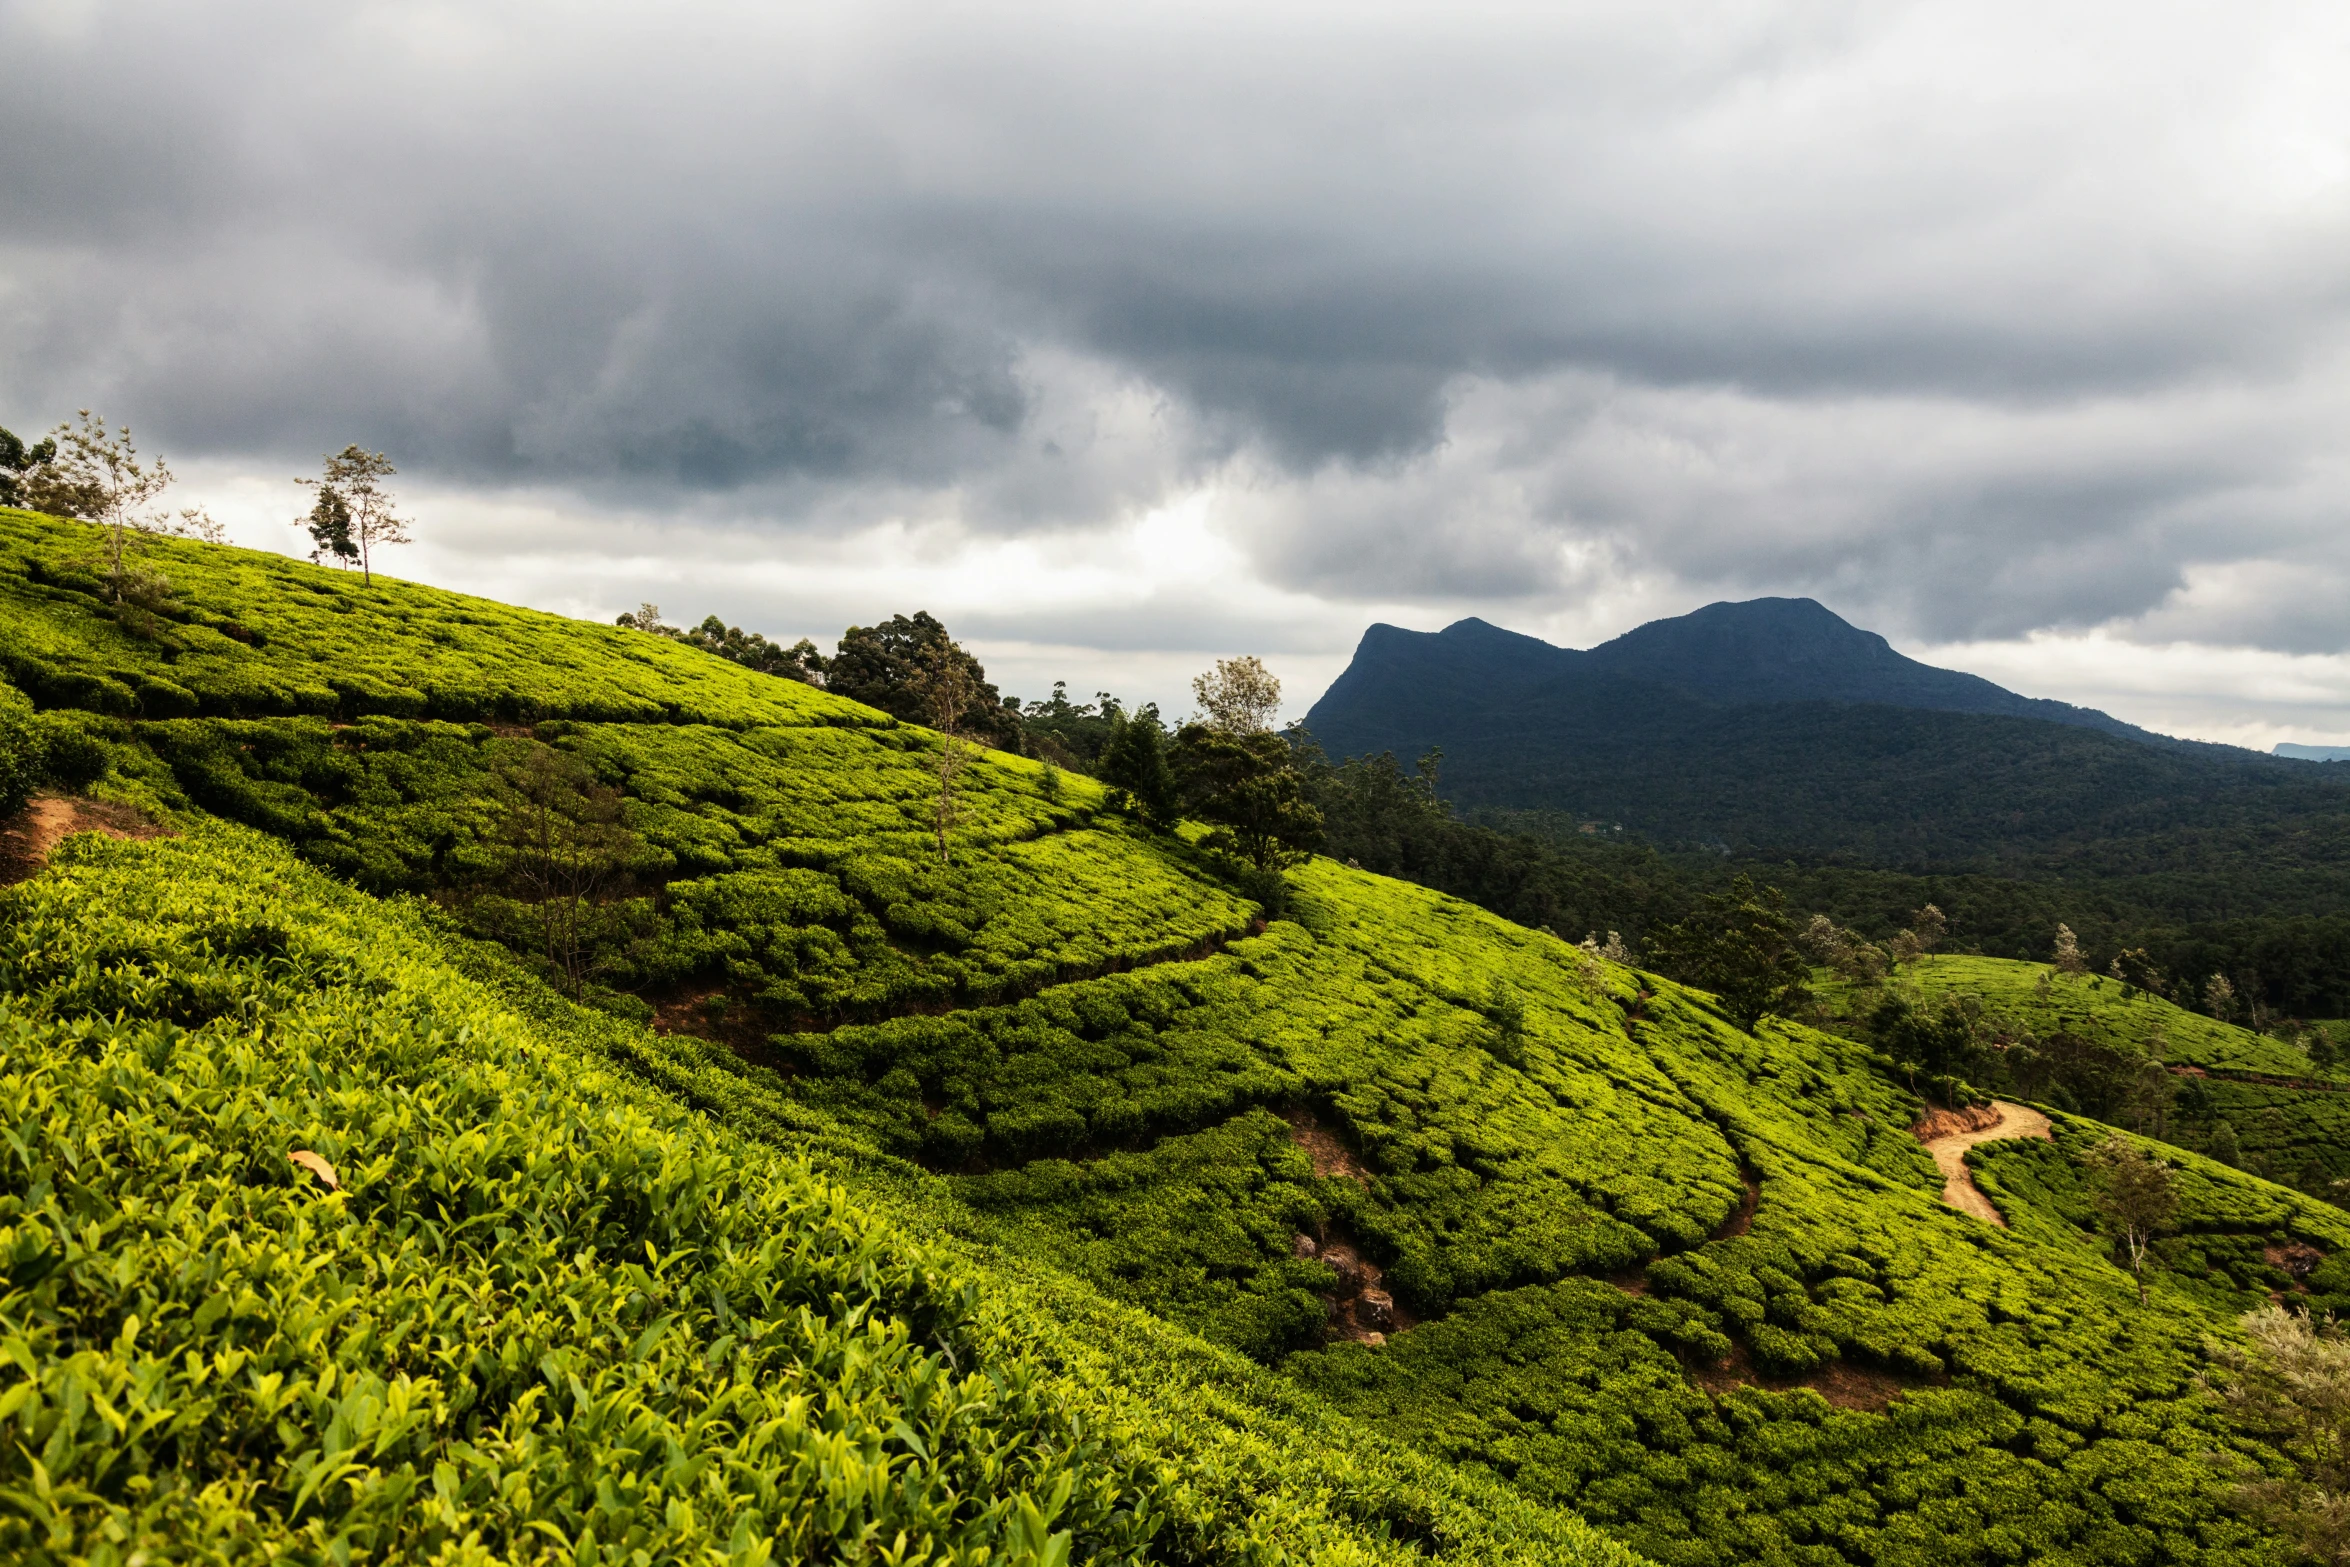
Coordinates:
(1727, 654)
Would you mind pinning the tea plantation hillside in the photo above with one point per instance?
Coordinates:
(1417, 1222)
(514, 1305)
(2283, 1114)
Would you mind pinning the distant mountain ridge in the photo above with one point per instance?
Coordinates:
(1728, 654)
(1777, 726)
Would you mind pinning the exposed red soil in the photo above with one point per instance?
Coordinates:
(1939, 1122)
(1840, 1382)
(1949, 1150)
(2298, 1258)
(1331, 1157)
(48, 820)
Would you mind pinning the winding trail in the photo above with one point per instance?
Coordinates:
(1949, 1150)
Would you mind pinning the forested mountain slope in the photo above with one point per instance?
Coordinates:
(1503, 1228)
(1775, 727)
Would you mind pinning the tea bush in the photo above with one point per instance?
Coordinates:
(254, 634)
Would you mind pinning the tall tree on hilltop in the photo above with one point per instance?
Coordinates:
(355, 479)
(1742, 946)
(646, 617)
(329, 522)
(1248, 785)
(891, 666)
(96, 473)
(1134, 762)
(947, 689)
(1239, 696)
(17, 460)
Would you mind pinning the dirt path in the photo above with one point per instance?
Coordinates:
(27, 838)
(1949, 1151)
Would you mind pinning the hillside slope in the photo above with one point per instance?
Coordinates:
(2287, 1117)
(1547, 1220)
(545, 1311)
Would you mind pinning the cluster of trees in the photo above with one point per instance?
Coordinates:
(1225, 766)
(799, 662)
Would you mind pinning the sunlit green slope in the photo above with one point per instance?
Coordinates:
(1695, 1284)
(551, 1313)
(2288, 1117)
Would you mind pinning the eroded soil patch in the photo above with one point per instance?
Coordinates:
(1840, 1382)
(734, 1023)
(1331, 1157)
(1360, 1307)
(2296, 1259)
(48, 820)
(1739, 1222)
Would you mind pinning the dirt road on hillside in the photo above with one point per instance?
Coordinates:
(1949, 1151)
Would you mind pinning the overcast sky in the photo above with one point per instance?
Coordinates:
(1124, 337)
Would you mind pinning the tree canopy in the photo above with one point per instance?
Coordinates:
(1247, 785)
(1741, 945)
(888, 666)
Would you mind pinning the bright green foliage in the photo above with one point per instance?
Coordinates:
(257, 634)
(547, 1315)
(1062, 1078)
(1740, 945)
(2102, 1008)
(22, 753)
(788, 866)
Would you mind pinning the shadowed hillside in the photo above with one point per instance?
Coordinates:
(1775, 727)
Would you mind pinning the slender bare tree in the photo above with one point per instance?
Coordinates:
(2136, 1197)
(355, 479)
(946, 687)
(97, 474)
(566, 852)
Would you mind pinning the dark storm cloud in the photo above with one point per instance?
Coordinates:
(1472, 304)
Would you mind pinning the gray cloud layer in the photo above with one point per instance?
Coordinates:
(1974, 320)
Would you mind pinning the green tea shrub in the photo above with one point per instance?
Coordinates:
(537, 1312)
(23, 751)
(1004, 1169)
